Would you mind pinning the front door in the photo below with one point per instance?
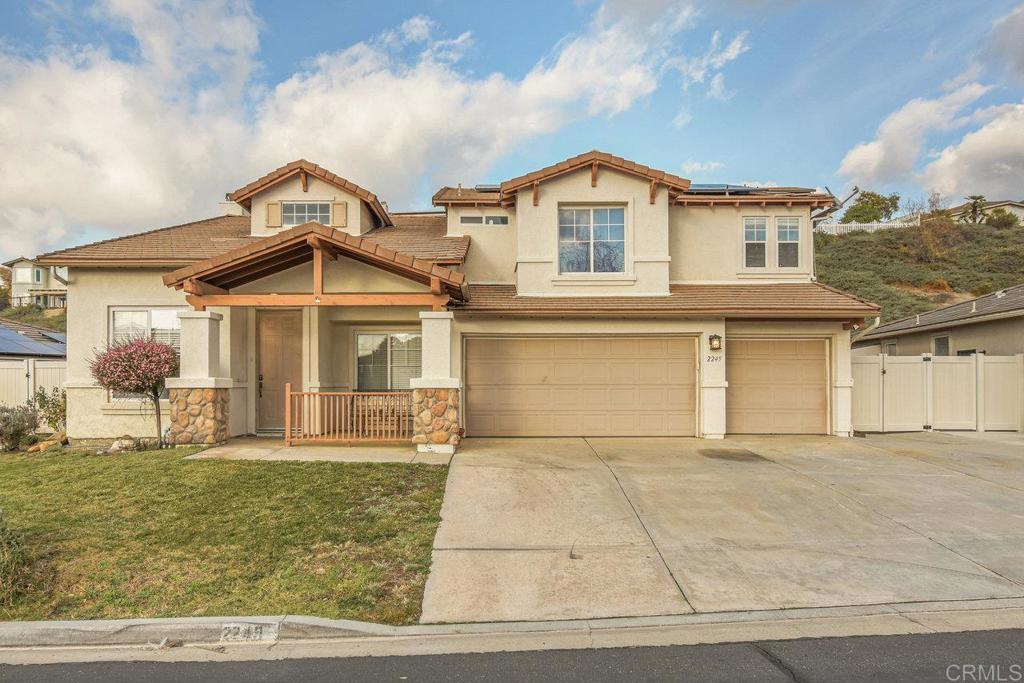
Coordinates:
(279, 361)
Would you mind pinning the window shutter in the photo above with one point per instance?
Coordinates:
(273, 214)
(339, 214)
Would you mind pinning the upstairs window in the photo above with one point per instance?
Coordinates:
(755, 241)
(299, 213)
(788, 235)
(38, 275)
(592, 240)
(483, 220)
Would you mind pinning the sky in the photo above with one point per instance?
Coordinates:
(127, 115)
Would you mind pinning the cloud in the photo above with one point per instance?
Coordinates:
(988, 161)
(707, 67)
(693, 167)
(98, 142)
(900, 137)
(1006, 44)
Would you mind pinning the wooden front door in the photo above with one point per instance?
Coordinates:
(279, 361)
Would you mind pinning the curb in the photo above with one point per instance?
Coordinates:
(176, 632)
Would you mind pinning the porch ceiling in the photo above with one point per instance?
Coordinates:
(298, 245)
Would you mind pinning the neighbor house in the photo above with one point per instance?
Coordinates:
(594, 297)
(1008, 205)
(992, 324)
(33, 284)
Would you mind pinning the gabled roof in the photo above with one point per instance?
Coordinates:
(291, 247)
(11, 263)
(1004, 303)
(995, 204)
(244, 195)
(799, 300)
(460, 196)
(419, 235)
(601, 159)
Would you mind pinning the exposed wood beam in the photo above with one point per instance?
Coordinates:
(654, 191)
(431, 300)
(318, 271)
(262, 270)
(193, 286)
(435, 285)
(536, 193)
(593, 174)
(304, 180)
(316, 243)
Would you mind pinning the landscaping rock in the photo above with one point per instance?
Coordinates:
(125, 443)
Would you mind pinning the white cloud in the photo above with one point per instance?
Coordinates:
(692, 167)
(95, 141)
(717, 91)
(1007, 44)
(708, 67)
(988, 161)
(900, 137)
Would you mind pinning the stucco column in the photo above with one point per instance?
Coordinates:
(712, 382)
(435, 396)
(199, 395)
(842, 385)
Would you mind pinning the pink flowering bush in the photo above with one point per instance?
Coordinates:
(137, 366)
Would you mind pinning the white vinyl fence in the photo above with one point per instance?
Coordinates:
(919, 393)
(836, 228)
(19, 379)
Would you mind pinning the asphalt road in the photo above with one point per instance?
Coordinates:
(961, 657)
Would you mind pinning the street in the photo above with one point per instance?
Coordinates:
(967, 657)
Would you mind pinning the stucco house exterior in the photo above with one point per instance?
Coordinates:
(592, 297)
(992, 324)
(35, 284)
(1009, 205)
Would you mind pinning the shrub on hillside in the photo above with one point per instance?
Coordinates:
(16, 424)
(1002, 219)
(16, 571)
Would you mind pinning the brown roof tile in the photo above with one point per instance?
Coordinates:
(243, 195)
(463, 195)
(602, 158)
(796, 300)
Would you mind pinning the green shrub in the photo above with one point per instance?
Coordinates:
(15, 425)
(16, 566)
(52, 407)
(1001, 219)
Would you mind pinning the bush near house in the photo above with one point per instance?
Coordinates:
(912, 270)
(17, 424)
(153, 534)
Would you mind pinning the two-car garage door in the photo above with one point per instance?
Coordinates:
(581, 386)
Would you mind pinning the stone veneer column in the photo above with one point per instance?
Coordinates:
(199, 397)
(435, 396)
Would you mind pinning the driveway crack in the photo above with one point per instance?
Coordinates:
(639, 519)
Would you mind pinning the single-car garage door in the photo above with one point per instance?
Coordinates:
(581, 386)
(776, 386)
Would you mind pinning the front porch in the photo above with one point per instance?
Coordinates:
(329, 366)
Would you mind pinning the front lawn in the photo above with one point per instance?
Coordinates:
(154, 535)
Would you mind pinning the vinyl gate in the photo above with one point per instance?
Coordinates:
(918, 393)
(19, 379)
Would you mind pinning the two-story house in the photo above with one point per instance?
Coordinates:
(593, 297)
(33, 284)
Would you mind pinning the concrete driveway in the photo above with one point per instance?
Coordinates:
(537, 529)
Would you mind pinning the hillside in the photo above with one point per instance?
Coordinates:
(57, 321)
(911, 270)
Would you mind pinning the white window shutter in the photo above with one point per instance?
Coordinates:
(273, 214)
(339, 214)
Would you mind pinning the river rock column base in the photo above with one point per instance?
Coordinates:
(436, 420)
(198, 416)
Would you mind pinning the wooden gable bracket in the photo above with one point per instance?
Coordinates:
(853, 324)
(304, 180)
(536, 193)
(593, 174)
(194, 286)
(329, 249)
(320, 249)
(654, 191)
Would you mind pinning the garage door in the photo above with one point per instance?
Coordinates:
(776, 386)
(581, 386)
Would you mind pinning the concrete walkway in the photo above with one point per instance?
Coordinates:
(262, 448)
(537, 529)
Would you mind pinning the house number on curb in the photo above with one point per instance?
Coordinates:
(248, 632)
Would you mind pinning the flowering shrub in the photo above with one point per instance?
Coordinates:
(137, 366)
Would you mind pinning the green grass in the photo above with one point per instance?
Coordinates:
(154, 535)
(911, 270)
(33, 315)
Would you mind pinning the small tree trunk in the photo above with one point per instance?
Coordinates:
(159, 428)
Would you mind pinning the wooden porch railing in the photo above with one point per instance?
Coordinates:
(347, 417)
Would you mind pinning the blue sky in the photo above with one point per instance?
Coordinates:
(144, 113)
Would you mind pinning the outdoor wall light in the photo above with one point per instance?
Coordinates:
(715, 342)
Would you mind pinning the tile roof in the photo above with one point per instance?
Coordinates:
(796, 300)
(243, 195)
(21, 339)
(1008, 301)
(419, 235)
(602, 158)
(465, 195)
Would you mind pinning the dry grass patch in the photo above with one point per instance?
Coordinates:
(154, 535)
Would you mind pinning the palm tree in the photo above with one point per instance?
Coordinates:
(974, 212)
